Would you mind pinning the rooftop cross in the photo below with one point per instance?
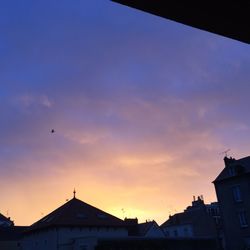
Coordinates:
(74, 193)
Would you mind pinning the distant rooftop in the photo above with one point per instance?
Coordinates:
(191, 213)
(143, 228)
(229, 19)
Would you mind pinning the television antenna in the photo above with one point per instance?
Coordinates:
(225, 152)
(123, 212)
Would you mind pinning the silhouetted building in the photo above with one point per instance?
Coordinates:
(132, 226)
(197, 221)
(156, 244)
(11, 237)
(233, 193)
(214, 211)
(75, 225)
(230, 19)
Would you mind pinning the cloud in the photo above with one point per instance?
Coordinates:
(28, 100)
(44, 100)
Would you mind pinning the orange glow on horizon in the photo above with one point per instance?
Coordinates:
(145, 195)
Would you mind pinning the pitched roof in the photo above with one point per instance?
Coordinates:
(241, 166)
(189, 216)
(3, 218)
(143, 228)
(180, 219)
(77, 213)
(4, 221)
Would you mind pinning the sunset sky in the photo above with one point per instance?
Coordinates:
(142, 108)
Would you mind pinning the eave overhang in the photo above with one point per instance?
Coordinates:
(229, 19)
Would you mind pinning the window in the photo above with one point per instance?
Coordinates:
(242, 219)
(231, 170)
(237, 193)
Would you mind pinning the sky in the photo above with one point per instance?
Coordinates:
(142, 109)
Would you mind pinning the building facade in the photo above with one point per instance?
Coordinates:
(75, 225)
(197, 221)
(10, 235)
(233, 193)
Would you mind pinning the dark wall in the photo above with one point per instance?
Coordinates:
(235, 234)
(157, 244)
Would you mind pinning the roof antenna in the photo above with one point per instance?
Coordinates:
(123, 212)
(225, 152)
(74, 193)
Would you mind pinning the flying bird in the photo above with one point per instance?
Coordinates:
(52, 131)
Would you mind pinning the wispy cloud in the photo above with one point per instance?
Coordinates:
(29, 100)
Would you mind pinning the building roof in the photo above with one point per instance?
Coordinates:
(230, 19)
(5, 222)
(190, 215)
(239, 166)
(77, 213)
(143, 228)
(180, 219)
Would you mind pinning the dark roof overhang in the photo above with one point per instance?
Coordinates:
(229, 19)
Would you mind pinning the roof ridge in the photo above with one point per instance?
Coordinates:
(77, 212)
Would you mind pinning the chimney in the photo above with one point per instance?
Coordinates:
(228, 161)
(131, 221)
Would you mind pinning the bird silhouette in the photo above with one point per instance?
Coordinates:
(52, 131)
